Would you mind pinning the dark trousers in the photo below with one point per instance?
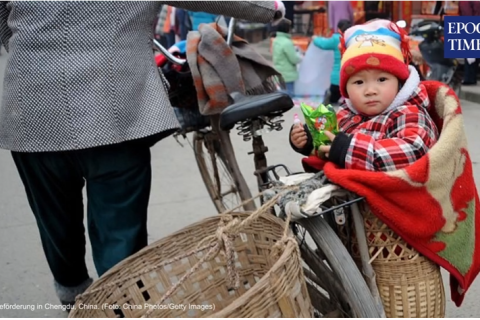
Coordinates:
(170, 38)
(334, 93)
(470, 71)
(117, 179)
(290, 88)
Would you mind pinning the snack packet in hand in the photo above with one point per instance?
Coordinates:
(318, 121)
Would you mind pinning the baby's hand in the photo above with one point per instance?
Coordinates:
(326, 149)
(298, 136)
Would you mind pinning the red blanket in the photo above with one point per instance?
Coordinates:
(432, 204)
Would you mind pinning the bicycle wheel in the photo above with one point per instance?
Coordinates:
(335, 283)
(217, 177)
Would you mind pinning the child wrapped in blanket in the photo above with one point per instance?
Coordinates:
(384, 123)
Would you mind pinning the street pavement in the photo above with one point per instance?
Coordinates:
(178, 199)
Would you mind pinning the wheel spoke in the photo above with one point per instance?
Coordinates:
(320, 302)
(216, 176)
(213, 160)
(231, 191)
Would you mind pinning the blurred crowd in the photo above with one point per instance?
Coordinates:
(173, 24)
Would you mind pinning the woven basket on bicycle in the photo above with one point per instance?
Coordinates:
(271, 285)
(410, 285)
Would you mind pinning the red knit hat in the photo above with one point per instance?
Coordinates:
(378, 44)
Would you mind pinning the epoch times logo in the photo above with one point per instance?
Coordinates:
(462, 37)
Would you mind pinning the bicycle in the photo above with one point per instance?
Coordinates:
(336, 285)
(343, 282)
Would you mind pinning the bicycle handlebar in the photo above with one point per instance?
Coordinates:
(170, 57)
(231, 30)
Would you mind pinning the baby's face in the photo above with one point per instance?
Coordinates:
(372, 91)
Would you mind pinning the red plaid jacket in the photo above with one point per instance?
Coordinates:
(392, 140)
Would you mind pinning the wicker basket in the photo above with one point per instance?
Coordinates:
(271, 285)
(410, 285)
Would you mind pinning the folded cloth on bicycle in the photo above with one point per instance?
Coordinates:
(433, 203)
(320, 196)
(295, 179)
(218, 69)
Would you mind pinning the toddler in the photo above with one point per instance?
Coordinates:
(384, 122)
(285, 57)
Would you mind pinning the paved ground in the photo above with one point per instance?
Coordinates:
(178, 199)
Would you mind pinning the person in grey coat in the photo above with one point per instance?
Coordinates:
(82, 104)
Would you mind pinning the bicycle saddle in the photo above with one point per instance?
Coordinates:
(248, 107)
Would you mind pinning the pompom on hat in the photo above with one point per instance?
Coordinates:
(377, 44)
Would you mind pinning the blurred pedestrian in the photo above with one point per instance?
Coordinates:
(201, 17)
(469, 8)
(339, 10)
(333, 95)
(285, 57)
